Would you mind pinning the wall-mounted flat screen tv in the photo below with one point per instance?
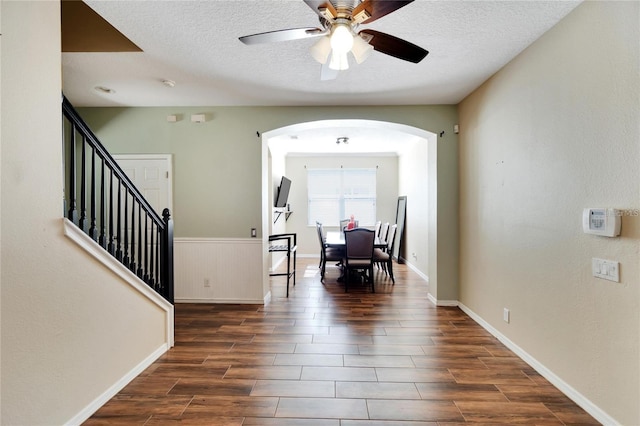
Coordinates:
(283, 192)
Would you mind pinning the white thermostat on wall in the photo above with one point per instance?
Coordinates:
(605, 222)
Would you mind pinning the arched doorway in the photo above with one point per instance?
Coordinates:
(402, 136)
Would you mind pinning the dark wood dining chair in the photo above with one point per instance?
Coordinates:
(384, 256)
(359, 254)
(384, 230)
(327, 254)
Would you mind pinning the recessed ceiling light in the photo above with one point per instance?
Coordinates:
(168, 83)
(103, 89)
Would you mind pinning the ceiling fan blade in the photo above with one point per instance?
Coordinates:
(376, 9)
(282, 35)
(396, 47)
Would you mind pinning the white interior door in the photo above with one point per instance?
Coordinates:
(152, 175)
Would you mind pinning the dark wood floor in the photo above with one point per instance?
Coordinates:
(325, 357)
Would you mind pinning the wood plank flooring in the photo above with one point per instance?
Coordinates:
(326, 357)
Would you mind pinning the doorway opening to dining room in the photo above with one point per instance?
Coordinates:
(405, 157)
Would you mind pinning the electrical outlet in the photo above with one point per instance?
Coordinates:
(206, 282)
(506, 315)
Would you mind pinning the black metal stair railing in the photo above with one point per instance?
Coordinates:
(103, 202)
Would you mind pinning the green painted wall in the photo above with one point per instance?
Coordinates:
(217, 176)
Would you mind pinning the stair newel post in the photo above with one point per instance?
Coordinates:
(167, 255)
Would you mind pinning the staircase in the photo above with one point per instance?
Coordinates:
(102, 201)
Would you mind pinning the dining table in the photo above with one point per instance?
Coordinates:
(336, 239)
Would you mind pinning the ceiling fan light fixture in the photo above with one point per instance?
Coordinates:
(339, 61)
(321, 50)
(338, 34)
(341, 38)
(361, 49)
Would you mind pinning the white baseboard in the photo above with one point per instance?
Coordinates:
(416, 270)
(222, 301)
(595, 411)
(437, 302)
(83, 415)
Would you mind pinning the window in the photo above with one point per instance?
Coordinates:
(335, 194)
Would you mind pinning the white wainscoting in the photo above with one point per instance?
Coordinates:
(232, 266)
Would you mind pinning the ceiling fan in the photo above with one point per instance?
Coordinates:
(339, 35)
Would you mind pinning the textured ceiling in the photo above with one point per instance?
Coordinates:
(195, 44)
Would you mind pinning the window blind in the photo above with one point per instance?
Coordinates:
(335, 194)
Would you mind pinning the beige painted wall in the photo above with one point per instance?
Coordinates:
(555, 131)
(413, 177)
(0, 215)
(65, 319)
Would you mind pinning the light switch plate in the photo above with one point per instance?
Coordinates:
(606, 269)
